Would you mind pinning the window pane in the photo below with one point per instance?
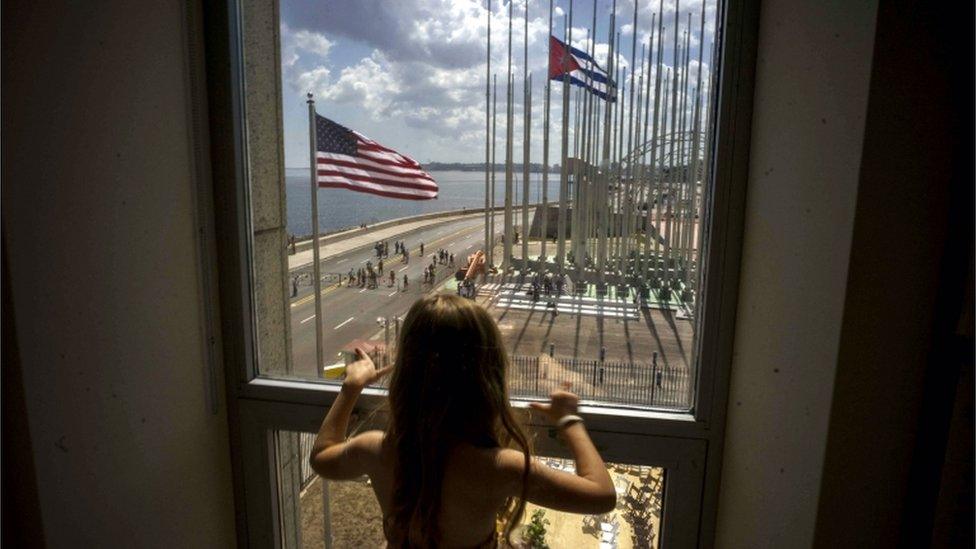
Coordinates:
(592, 245)
(347, 512)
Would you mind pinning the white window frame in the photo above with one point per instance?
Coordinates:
(688, 445)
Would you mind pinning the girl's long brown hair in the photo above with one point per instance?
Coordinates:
(448, 387)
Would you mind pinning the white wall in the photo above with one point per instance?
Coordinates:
(99, 214)
(810, 101)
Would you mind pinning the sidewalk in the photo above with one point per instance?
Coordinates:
(368, 238)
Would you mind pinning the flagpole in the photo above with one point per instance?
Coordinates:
(638, 186)
(316, 275)
(604, 188)
(528, 174)
(507, 247)
(655, 171)
(686, 154)
(696, 130)
(704, 124)
(488, 167)
(669, 215)
(526, 131)
(682, 218)
(645, 176)
(544, 233)
(625, 221)
(579, 117)
(494, 150)
(564, 168)
(618, 140)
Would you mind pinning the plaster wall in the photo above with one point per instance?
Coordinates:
(99, 215)
(811, 91)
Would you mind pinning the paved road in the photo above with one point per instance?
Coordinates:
(350, 312)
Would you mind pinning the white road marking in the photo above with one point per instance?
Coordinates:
(451, 244)
(392, 294)
(347, 321)
(404, 269)
(363, 290)
(307, 319)
(342, 261)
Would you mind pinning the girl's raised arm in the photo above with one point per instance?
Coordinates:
(590, 490)
(333, 456)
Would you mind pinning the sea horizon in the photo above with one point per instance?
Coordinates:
(341, 209)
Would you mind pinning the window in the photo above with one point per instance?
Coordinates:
(643, 215)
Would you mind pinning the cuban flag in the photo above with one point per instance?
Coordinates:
(582, 69)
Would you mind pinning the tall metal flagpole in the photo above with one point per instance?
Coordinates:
(316, 275)
(649, 173)
(507, 247)
(525, 192)
(564, 168)
(494, 150)
(685, 151)
(639, 159)
(526, 131)
(488, 166)
(601, 250)
(696, 130)
(658, 120)
(544, 233)
(678, 235)
(625, 222)
(668, 248)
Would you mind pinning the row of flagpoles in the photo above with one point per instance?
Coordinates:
(630, 185)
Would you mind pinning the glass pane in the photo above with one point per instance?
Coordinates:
(593, 241)
(348, 515)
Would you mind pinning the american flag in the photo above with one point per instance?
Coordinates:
(349, 160)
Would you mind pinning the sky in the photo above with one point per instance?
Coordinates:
(411, 74)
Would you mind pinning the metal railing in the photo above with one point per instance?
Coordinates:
(611, 382)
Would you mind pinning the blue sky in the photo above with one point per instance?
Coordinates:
(411, 73)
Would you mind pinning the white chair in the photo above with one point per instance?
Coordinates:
(622, 486)
(608, 545)
(610, 528)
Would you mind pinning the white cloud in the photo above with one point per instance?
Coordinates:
(295, 43)
(425, 66)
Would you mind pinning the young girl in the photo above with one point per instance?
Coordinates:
(453, 460)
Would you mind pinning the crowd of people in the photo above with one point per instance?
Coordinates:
(371, 275)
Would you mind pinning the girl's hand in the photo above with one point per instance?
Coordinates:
(362, 371)
(561, 403)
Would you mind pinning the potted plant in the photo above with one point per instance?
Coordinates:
(534, 534)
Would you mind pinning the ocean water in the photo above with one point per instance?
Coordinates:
(342, 208)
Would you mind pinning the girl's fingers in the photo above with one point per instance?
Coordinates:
(382, 372)
(542, 407)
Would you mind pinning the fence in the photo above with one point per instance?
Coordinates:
(305, 442)
(613, 382)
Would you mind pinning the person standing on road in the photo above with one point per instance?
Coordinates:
(294, 286)
(379, 265)
(421, 249)
(405, 282)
